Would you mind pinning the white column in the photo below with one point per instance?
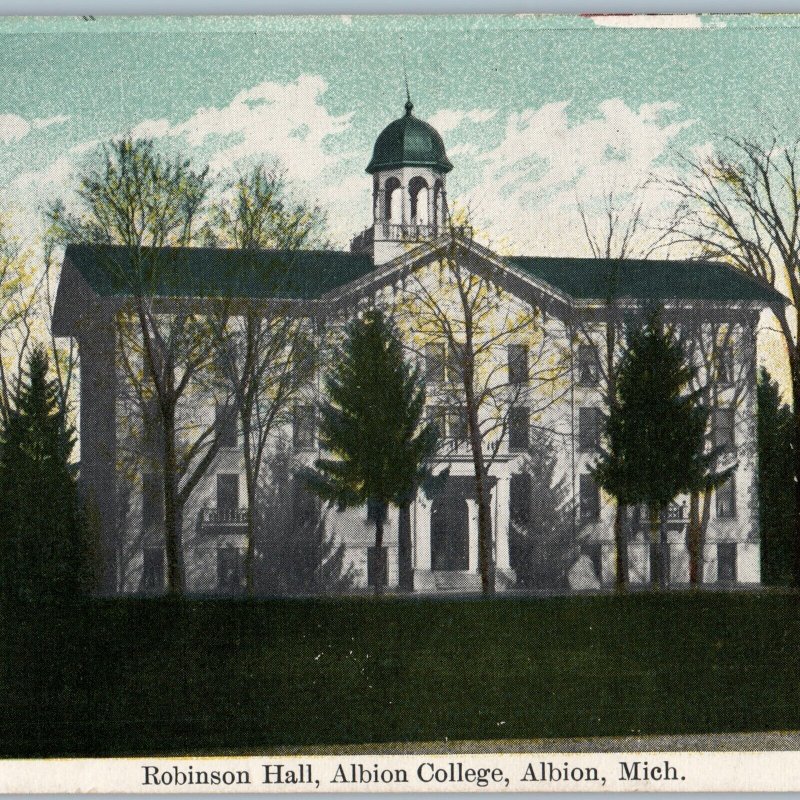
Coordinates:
(431, 203)
(422, 533)
(472, 519)
(502, 506)
(405, 202)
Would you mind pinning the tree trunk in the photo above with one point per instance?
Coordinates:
(379, 564)
(250, 481)
(796, 461)
(693, 537)
(172, 513)
(621, 546)
(405, 566)
(656, 579)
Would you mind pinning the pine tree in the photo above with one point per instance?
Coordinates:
(44, 541)
(655, 432)
(371, 424)
(775, 482)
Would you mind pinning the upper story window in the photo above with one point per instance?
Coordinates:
(434, 363)
(724, 365)
(305, 425)
(726, 498)
(588, 365)
(589, 498)
(519, 428)
(518, 364)
(227, 492)
(226, 426)
(450, 421)
(722, 429)
(590, 427)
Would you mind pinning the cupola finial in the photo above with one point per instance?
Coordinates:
(409, 104)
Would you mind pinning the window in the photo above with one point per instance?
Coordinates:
(450, 421)
(230, 569)
(438, 416)
(304, 427)
(590, 424)
(455, 357)
(723, 366)
(227, 492)
(519, 424)
(226, 426)
(589, 498)
(152, 501)
(588, 365)
(726, 498)
(517, 364)
(520, 495)
(722, 426)
(457, 426)
(152, 569)
(726, 562)
(434, 363)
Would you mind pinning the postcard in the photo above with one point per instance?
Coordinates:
(401, 403)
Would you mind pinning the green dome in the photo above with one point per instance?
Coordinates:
(409, 142)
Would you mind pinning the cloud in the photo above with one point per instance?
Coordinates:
(14, 127)
(530, 183)
(448, 119)
(648, 20)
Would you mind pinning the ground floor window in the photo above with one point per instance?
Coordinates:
(230, 569)
(589, 498)
(726, 562)
(152, 569)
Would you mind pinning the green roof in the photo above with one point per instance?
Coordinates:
(409, 142)
(208, 272)
(604, 279)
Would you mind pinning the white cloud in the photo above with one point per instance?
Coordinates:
(531, 182)
(14, 127)
(648, 20)
(448, 119)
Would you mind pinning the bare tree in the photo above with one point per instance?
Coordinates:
(459, 305)
(742, 205)
(266, 347)
(149, 206)
(618, 231)
(18, 299)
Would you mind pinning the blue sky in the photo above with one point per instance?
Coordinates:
(538, 113)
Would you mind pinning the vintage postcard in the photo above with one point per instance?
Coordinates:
(399, 403)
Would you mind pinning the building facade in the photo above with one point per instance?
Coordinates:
(539, 343)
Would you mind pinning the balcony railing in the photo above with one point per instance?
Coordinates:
(221, 517)
(410, 232)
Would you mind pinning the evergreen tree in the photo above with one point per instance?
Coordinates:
(44, 540)
(776, 496)
(372, 426)
(655, 432)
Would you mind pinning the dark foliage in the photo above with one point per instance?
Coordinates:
(541, 540)
(294, 552)
(112, 678)
(776, 496)
(46, 550)
(371, 423)
(656, 430)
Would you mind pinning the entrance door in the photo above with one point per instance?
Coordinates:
(450, 533)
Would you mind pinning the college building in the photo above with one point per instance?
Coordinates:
(544, 359)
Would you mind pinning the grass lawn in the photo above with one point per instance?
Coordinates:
(128, 677)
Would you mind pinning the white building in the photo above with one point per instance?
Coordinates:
(552, 527)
